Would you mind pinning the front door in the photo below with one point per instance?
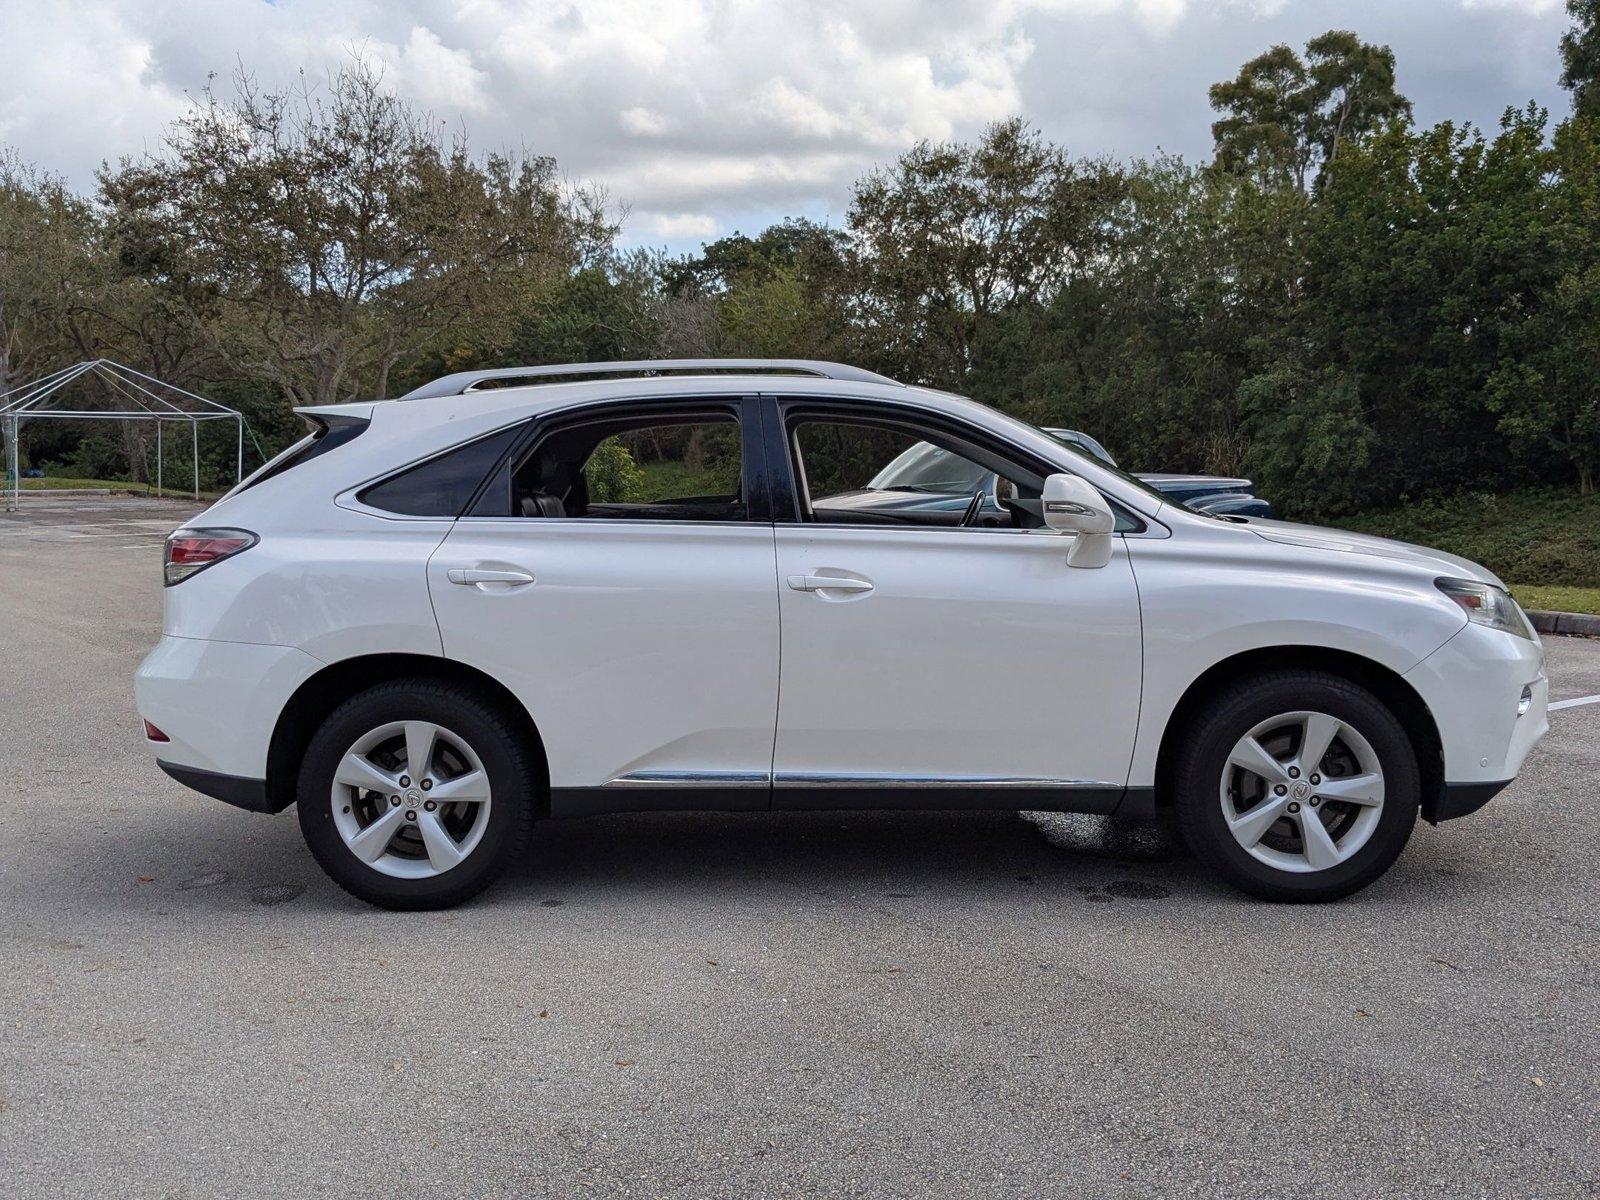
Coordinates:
(943, 660)
(623, 587)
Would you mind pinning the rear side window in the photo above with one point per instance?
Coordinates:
(443, 486)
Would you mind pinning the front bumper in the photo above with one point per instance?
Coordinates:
(1474, 686)
(1460, 800)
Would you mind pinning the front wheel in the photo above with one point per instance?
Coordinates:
(416, 794)
(1298, 786)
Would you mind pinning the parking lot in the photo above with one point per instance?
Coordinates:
(709, 1005)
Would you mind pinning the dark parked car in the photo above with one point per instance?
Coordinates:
(933, 485)
(1204, 493)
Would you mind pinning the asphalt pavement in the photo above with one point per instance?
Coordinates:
(729, 1005)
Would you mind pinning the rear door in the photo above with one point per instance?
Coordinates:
(619, 577)
(922, 661)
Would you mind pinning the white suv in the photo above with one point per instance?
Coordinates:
(558, 591)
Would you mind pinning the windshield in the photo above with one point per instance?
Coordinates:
(927, 468)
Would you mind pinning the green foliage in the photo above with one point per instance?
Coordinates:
(1286, 115)
(1535, 537)
(1580, 57)
(612, 475)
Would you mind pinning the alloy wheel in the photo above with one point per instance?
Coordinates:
(411, 799)
(1302, 791)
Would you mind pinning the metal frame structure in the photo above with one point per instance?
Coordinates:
(154, 399)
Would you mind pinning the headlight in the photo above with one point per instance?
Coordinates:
(1486, 604)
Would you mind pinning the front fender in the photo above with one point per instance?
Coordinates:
(1210, 596)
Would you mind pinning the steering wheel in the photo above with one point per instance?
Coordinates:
(974, 506)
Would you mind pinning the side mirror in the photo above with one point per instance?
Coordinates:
(1072, 505)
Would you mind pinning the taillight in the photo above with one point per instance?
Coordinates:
(154, 734)
(191, 550)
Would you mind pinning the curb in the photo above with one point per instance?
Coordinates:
(1579, 624)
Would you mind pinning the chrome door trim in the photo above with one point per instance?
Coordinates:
(691, 779)
(890, 779)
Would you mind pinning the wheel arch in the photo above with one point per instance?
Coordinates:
(330, 687)
(1391, 688)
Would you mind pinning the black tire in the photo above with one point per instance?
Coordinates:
(507, 760)
(1232, 714)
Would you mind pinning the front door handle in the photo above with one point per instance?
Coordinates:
(473, 575)
(828, 583)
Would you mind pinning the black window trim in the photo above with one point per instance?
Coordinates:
(785, 409)
(744, 407)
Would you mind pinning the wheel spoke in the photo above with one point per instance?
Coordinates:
(357, 771)
(443, 852)
(371, 842)
(1365, 790)
(1250, 755)
(1319, 847)
(473, 787)
(1253, 825)
(1320, 730)
(420, 737)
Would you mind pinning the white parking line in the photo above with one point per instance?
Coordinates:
(1575, 703)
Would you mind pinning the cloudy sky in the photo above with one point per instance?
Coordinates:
(704, 116)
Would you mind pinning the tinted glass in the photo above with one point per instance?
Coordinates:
(675, 469)
(442, 486)
(929, 468)
(856, 473)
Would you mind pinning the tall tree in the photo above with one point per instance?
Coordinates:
(1580, 57)
(953, 234)
(343, 236)
(46, 267)
(1287, 117)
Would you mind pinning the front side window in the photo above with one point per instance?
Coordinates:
(929, 468)
(665, 468)
(862, 472)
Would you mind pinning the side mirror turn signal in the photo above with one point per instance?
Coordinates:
(1072, 505)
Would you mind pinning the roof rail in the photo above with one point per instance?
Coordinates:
(466, 381)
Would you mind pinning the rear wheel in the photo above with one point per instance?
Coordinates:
(416, 794)
(1298, 786)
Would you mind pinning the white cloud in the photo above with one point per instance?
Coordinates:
(1537, 7)
(681, 226)
(641, 122)
(433, 74)
(693, 111)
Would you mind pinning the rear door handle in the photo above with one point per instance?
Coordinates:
(828, 583)
(472, 575)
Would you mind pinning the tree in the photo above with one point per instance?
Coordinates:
(343, 237)
(1288, 117)
(1546, 390)
(953, 234)
(1147, 349)
(1580, 57)
(45, 268)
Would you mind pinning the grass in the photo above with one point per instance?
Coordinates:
(116, 485)
(50, 481)
(1559, 599)
(1545, 539)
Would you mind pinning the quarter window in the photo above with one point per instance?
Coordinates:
(442, 486)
